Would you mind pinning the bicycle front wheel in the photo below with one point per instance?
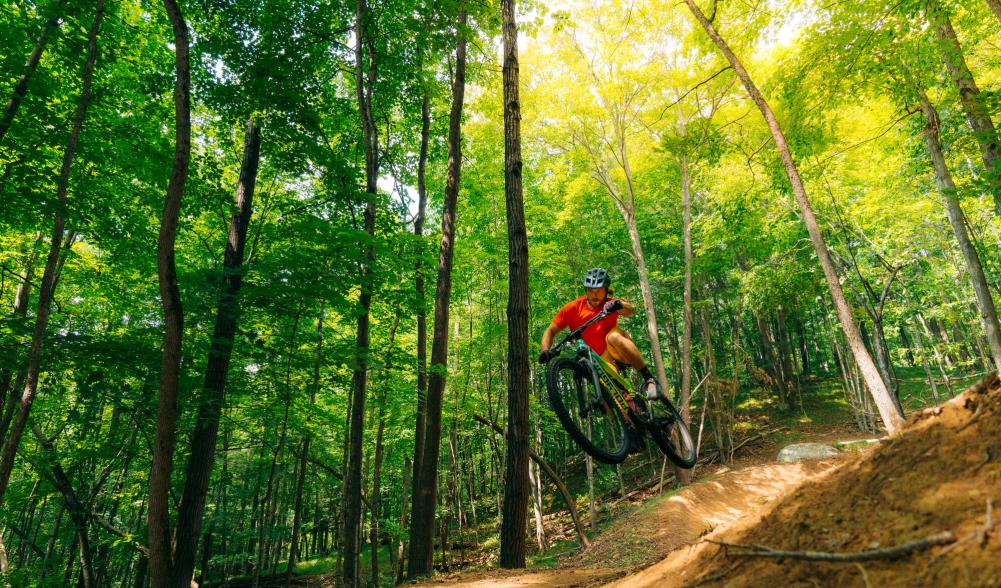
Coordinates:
(594, 424)
(670, 434)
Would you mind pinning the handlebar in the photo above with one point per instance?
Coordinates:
(555, 349)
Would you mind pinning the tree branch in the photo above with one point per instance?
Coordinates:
(895, 552)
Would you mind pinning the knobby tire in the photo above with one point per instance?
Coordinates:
(566, 401)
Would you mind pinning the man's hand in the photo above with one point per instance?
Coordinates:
(545, 356)
(612, 306)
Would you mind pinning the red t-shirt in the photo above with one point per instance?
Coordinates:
(576, 313)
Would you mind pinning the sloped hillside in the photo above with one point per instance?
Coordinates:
(934, 487)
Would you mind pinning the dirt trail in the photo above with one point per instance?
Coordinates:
(652, 532)
(941, 477)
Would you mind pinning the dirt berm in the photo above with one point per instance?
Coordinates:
(940, 475)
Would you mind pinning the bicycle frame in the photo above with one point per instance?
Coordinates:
(608, 378)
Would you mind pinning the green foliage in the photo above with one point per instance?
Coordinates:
(599, 80)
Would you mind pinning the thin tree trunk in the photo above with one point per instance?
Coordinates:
(643, 274)
(512, 549)
(21, 87)
(977, 113)
(205, 435)
(535, 478)
(988, 313)
(684, 476)
(21, 297)
(557, 480)
(376, 496)
(78, 513)
(892, 419)
(352, 470)
(426, 488)
(158, 513)
(293, 554)
(47, 288)
(270, 500)
(400, 548)
(924, 364)
(785, 358)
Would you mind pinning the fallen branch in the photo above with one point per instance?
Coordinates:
(755, 438)
(552, 475)
(981, 535)
(897, 551)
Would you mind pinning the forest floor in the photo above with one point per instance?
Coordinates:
(940, 475)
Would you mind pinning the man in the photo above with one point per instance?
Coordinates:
(604, 336)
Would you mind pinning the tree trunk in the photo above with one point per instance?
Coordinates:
(883, 357)
(205, 435)
(995, 8)
(977, 113)
(785, 357)
(399, 548)
(352, 470)
(293, 553)
(684, 476)
(21, 87)
(892, 419)
(988, 313)
(422, 329)
(47, 288)
(924, 363)
(376, 498)
(158, 513)
(21, 297)
(426, 478)
(535, 477)
(78, 513)
(634, 237)
(512, 551)
(686, 336)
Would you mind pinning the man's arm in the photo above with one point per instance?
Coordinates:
(547, 338)
(627, 309)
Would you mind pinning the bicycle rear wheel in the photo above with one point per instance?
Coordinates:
(593, 424)
(670, 433)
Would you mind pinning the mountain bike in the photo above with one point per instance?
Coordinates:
(603, 413)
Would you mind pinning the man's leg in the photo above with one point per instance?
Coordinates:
(621, 348)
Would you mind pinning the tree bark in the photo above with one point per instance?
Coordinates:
(21, 87)
(512, 550)
(47, 288)
(205, 435)
(995, 6)
(422, 329)
(892, 419)
(425, 494)
(352, 471)
(988, 312)
(977, 113)
(158, 513)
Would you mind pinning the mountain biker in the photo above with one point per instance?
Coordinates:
(604, 336)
